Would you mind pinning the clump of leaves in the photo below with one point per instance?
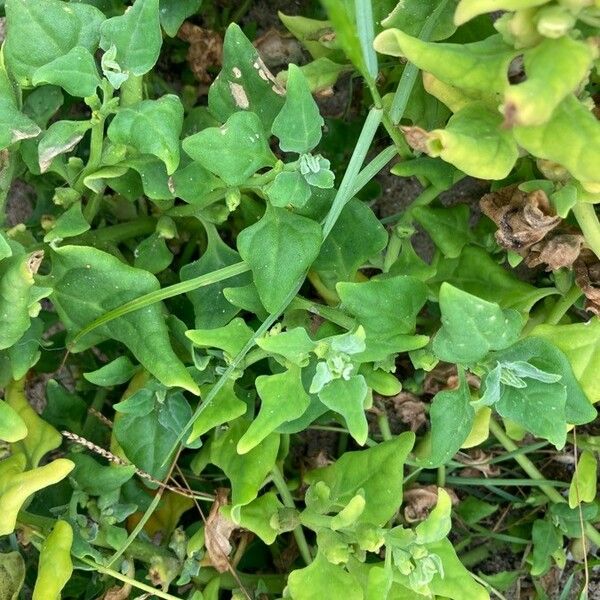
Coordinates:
(203, 285)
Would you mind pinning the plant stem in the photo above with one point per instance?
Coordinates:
(117, 233)
(590, 226)
(562, 305)
(384, 426)
(335, 315)
(531, 470)
(427, 196)
(286, 498)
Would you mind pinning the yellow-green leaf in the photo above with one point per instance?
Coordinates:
(584, 482)
(55, 566)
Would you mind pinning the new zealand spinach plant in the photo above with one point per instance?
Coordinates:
(199, 285)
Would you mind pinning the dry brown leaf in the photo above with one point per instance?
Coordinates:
(556, 250)
(478, 463)
(278, 49)
(410, 409)
(523, 219)
(587, 276)
(445, 377)
(205, 51)
(217, 533)
(416, 138)
(418, 501)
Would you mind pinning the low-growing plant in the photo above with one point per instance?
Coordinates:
(202, 288)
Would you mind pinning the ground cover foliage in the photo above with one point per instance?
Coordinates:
(229, 370)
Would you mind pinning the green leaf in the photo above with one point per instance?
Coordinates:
(547, 357)
(55, 565)
(410, 16)
(12, 426)
(283, 399)
(480, 66)
(469, 9)
(12, 575)
(211, 308)
(96, 479)
(152, 254)
(580, 343)
(471, 327)
(293, 345)
(75, 72)
(321, 579)
(193, 182)
(256, 516)
(136, 35)
(114, 283)
(246, 472)
(60, 138)
(343, 252)
(320, 74)
(41, 436)
(347, 397)
(148, 439)
(474, 142)
(151, 127)
(18, 485)
(174, 12)
(240, 144)
(279, 249)
(40, 31)
(476, 272)
(14, 125)
(314, 35)
(116, 372)
(456, 583)
(230, 338)
(451, 416)
(289, 189)
(570, 138)
(298, 124)
(226, 406)
(387, 309)
(546, 539)
(69, 224)
(448, 227)
(555, 68)
(438, 523)
(376, 471)
(18, 296)
(583, 484)
(441, 175)
(64, 410)
(244, 83)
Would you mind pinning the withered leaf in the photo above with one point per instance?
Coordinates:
(205, 51)
(587, 276)
(410, 409)
(556, 250)
(418, 501)
(278, 49)
(523, 219)
(217, 533)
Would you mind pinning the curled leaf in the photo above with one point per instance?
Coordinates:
(205, 50)
(523, 219)
(217, 533)
(587, 276)
(556, 250)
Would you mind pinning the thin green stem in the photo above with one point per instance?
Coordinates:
(334, 315)
(441, 476)
(562, 305)
(168, 292)
(409, 75)
(347, 186)
(531, 470)
(373, 167)
(384, 426)
(117, 233)
(587, 218)
(97, 405)
(133, 582)
(93, 206)
(286, 498)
